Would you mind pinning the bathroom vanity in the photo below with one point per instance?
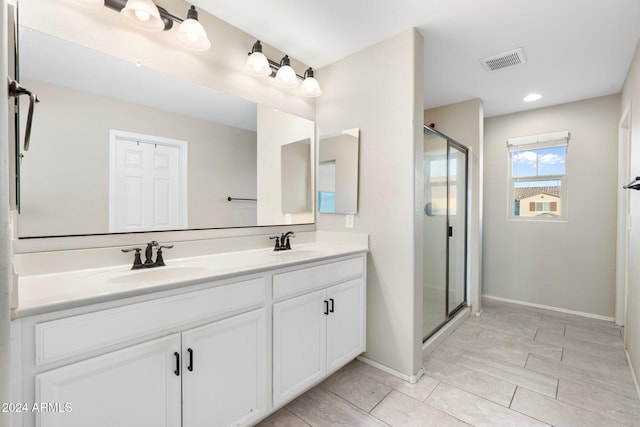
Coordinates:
(216, 340)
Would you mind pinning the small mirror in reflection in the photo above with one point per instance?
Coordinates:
(338, 172)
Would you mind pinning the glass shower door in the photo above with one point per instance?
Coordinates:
(445, 230)
(434, 294)
(457, 231)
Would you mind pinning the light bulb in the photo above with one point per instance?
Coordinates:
(286, 76)
(142, 15)
(257, 63)
(532, 97)
(310, 87)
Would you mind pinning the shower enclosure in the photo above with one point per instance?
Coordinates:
(445, 230)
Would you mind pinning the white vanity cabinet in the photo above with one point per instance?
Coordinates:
(320, 331)
(214, 353)
(220, 376)
(196, 358)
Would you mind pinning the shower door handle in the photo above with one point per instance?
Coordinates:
(15, 90)
(450, 232)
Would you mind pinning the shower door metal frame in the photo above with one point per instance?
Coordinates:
(450, 313)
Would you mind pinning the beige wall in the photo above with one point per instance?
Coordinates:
(379, 90)
(631, 95)
(464, 122)
(221, 163)
(578, 255)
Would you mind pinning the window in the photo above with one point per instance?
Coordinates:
(537, 177)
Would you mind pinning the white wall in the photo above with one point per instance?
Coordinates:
(379, 90)
(277, 129)
(631, 95)
(464, 123)
(5, 235)
(568, 265)
(221, 163)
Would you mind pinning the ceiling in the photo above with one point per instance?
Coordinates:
(575, 49)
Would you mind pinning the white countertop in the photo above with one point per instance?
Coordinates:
(43, 293)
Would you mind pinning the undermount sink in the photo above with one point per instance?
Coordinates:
(169, 272)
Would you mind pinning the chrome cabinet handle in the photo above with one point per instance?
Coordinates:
(15, 90)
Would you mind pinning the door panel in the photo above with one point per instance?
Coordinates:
(445, 230)
(345, 328)
(458, 225)
(299, 344)
(147, 184)
(224, 371)
(133, 387)
(434, 291)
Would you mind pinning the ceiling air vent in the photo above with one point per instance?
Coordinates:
(504, 60)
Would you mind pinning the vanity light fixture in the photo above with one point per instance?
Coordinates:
(148, 16)
(284, 74)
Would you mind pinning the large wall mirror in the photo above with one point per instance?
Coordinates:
(338, 172)
(120, 147)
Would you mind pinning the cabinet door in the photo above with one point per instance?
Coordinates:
(299, 344)
(224, 369)
(345, 323)
(133, 387)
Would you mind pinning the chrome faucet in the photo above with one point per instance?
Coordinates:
(148, 262)
(282, 241)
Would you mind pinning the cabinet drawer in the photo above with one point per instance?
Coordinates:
(298, 281)
(72, 336)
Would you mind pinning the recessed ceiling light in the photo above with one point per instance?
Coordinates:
(532, 97)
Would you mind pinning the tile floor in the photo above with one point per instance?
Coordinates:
(513, 366)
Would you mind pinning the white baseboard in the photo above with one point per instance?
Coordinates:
(633, 373)
(548, 307)
(409, 378)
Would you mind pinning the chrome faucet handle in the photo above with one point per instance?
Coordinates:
(165, 247)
